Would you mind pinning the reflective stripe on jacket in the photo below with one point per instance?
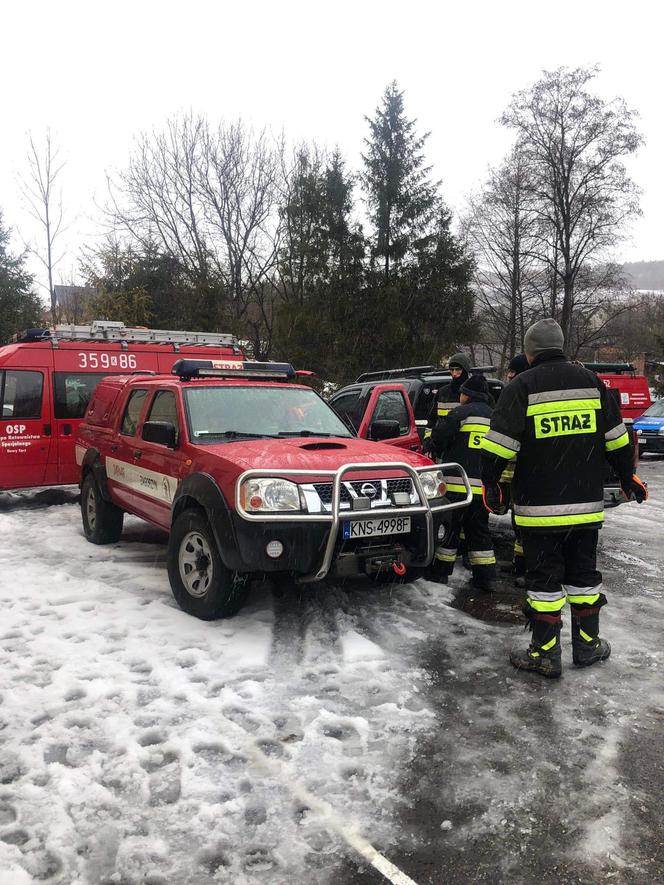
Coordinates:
(458, 437)
(562, 423)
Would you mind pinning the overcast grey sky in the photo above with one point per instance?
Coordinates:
(97, 74)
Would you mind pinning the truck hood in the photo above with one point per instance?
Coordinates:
(313, 452)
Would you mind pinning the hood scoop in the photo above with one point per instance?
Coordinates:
(321, 446)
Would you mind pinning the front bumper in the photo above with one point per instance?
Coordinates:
(651, 444)
(313, 543)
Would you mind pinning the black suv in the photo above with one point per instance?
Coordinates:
(421, 384)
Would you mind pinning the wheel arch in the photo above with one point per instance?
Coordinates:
(93, 463)
(200, 491)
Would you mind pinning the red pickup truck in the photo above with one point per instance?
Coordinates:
(251, 474)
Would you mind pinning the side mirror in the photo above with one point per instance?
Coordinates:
(161, 432)
(383, 429)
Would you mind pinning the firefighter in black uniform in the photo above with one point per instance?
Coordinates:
(517, 364)
(457, 437)
(560, 423)
(447, 397)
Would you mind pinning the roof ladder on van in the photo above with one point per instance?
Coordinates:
(107, 330)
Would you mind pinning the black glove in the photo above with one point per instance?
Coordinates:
(427, 445)
(492, 498)
(635, 489)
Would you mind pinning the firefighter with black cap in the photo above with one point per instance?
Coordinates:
(561, 424)
(457, 437)
(447, 397)
(517, 365)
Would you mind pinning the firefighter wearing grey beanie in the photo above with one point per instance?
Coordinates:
(543, 335)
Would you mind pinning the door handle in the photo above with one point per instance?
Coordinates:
(137, 453)
(47, 429)
(415, 448)
(66, 429)
(114, 447)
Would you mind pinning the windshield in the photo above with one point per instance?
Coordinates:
(217, 413)
(656, 410)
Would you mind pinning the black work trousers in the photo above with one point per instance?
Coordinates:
(473, 522)
(561, 566)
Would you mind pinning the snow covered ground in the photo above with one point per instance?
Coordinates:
(138, 745)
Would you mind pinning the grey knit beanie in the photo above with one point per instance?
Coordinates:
(543, 335)
(461, 361)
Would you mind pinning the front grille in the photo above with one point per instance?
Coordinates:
(367, 485)
(324, 492)
(383, 488)
(400, 485)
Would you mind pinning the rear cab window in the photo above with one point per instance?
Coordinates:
(132, 412)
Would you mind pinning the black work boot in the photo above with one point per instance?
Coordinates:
(484, 578)
(587, 646)
(543, 654)
(440, 569)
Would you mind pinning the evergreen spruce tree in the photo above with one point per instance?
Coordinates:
(401, 197)
(20, 307)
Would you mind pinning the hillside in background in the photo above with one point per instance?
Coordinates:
(646, 274)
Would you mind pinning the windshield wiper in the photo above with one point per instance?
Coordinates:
(305, 432)
(234, 434)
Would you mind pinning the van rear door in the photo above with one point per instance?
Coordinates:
(26, 431)
(72, 392)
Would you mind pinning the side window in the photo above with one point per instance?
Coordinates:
(21, 394)
(164, 408)
(132, 412)
(348, 406)
(391, 407)
(72, 393)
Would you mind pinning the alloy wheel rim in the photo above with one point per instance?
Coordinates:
(195, 564)
(91, 508)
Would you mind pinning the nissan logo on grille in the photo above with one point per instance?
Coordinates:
(368, 490)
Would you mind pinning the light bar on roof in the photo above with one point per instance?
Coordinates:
(267, 371)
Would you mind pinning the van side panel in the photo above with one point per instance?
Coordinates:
(44, 453)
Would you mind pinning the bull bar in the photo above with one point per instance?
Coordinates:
(334, 516)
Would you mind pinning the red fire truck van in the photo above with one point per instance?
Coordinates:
(48, 375)
(631, 388)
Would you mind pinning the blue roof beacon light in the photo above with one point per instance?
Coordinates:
(187, 370)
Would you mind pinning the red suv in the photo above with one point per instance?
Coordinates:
(251, 475)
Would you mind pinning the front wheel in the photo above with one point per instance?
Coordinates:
(201, 583)
(102, 521)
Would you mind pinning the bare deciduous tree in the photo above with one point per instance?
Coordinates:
(44, 198)
(238, 185)
(500, 229)
(209, 197)
(575, 144)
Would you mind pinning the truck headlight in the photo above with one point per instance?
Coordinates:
(266, 494)
(433, 483)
